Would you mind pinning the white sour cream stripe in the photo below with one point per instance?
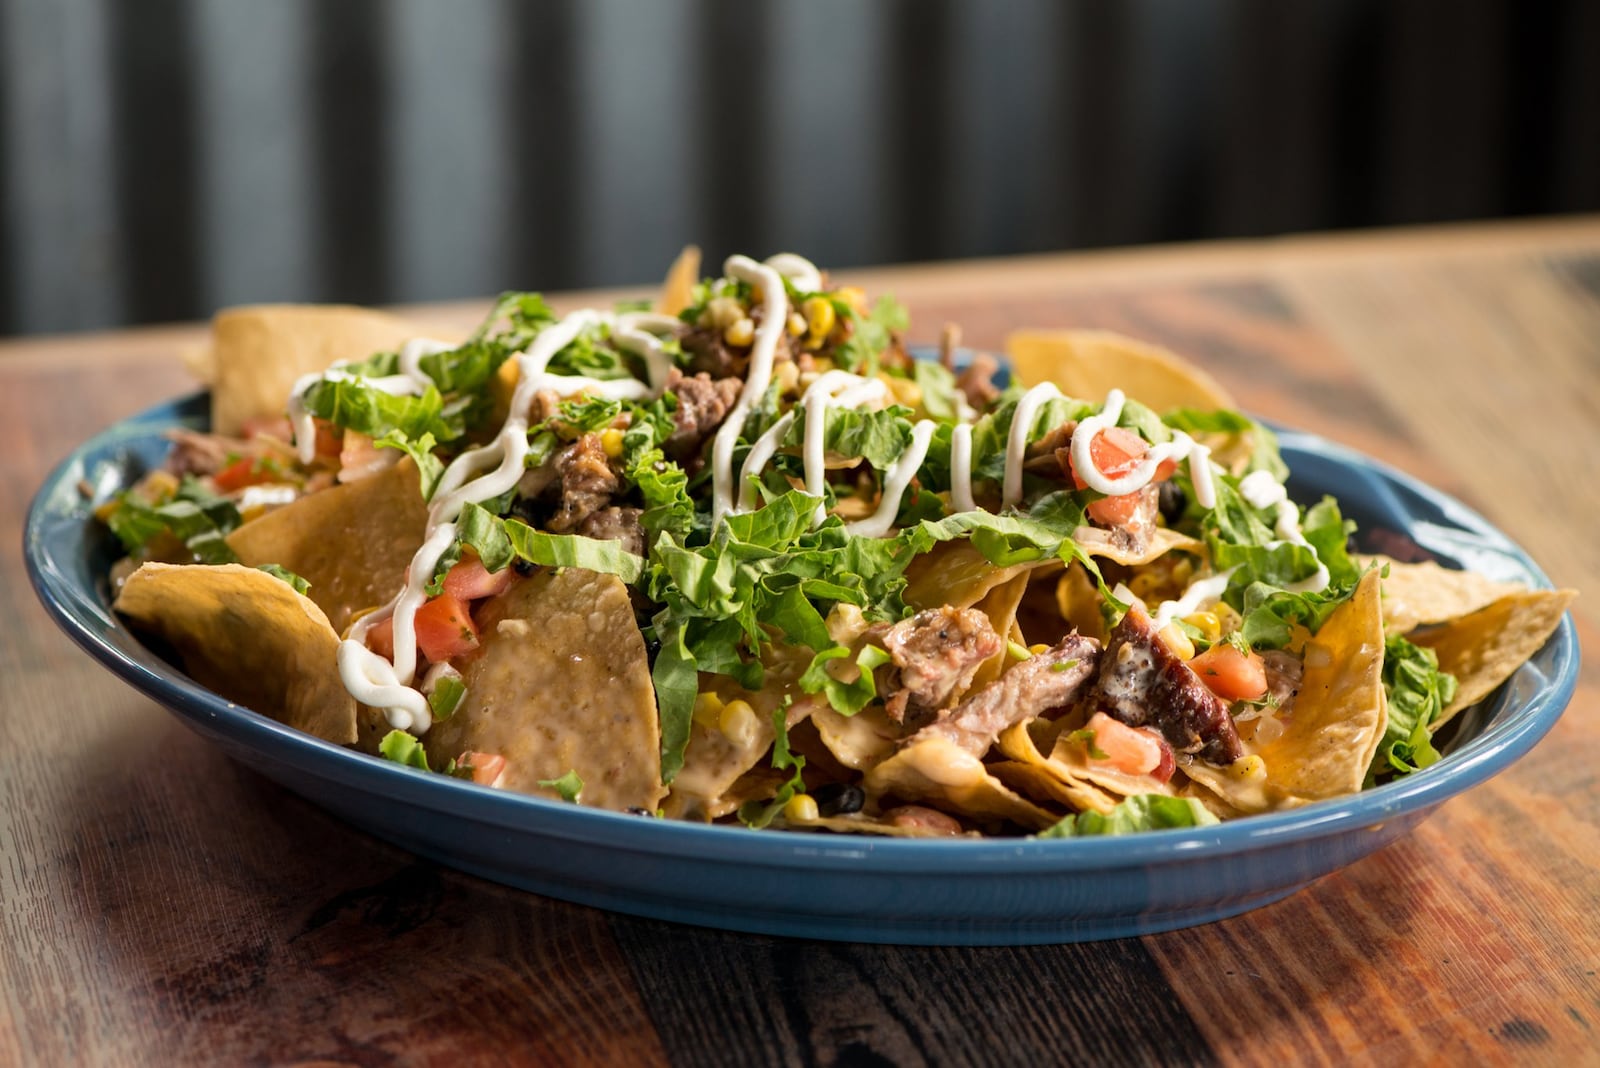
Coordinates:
(774, 321)
(1263, 491)
(1181, 447)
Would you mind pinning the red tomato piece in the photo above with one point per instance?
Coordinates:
(248, 471)
(1126, 748)
(486, 767)
(1230, 674)
(445, 629)
(469, 580)
(380, 639)
(330, 439)
(1114, 450)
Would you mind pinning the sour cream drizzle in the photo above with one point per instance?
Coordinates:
(473, 477)
(774, 321)
(1181, 447)
(1263, 491)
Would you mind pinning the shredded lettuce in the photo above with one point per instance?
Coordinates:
(447, 695)
(195, 516)
(1418, 693)
(569, 786)
(296, 583)
(756, 814)
(1264, 455)
(429, 467)
(403, 747)
(1142, 812)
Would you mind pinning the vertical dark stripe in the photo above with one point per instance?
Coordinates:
(350, 141)
(157, 164)
(1355, 121)
(1576, 186)
(1530, 162)
(920, 121)
(543, 145)
(732, 125)
(1096, 53)
(727, 999)
(9, 253)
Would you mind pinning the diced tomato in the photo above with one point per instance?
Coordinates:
(469, 580)
(445, 629)
(1230, 674)
(380, 639)
(330, 439)
(248, 471)
(1126, 748)
(1114, 450)
(486, 767)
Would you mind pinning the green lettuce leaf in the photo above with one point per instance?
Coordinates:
(569, 786)
(194, 515)
(1264, 455)
(296, 583)
(1418, 693)
(429, 467)
(1142, 812)
(404, 748)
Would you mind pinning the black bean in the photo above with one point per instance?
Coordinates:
(838, 799)
(637, 811)
(1172, 501)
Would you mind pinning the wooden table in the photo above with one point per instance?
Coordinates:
(163, 905)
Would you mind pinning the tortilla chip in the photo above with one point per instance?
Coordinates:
(1000, 605)
(861, 741)
(1070, 756)
(1485, 648)
(1088, 364)
(955, 573)
(258, 351)
(677, 292)
(1044, 777)
(1417, 594)
(1333, 729)
(1078, 602)
(561, 682)
(940, 773)
(708, 784)
(861, 823)
(248, 636)
(353, 542)
(1102, 543)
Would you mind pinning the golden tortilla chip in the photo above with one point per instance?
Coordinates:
(955, 573)
(258, 351)
(717, 759)
(1088, 364)
(1333, 729)
(1044, 777)
(353, 542)
(1070, 756)
(677, 292)
(561, 682)
(1417, 594)
(861, 823)
(1103, 543)
(940, 773)
(248, 636)
(1485, 648)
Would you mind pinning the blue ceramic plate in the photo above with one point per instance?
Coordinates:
(997, 891)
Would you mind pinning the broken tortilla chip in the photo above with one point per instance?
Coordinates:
(1088, 364)
(677, 292)
(1103, 543)
(1333, 729)
(1484, 648)
(1418, 594)
(561, 682)
(258, 351)
(940, 773)
(352, 543)
(248, 636)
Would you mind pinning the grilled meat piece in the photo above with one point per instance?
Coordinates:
(1045, 681)
(935, 653)
(1143, 683)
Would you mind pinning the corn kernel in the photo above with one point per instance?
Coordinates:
(740, 334)
(904, 391)
(723, 312)
(853, 296)
(1144, 584)
(1206, 623)
(1038, 647)
(708, 711)
(820, 317)
(787, 375)
(801, 808)
(738, 722)
(1176, 640)
(611, 442)
(797, 324)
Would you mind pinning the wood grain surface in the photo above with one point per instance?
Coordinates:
(161, 905)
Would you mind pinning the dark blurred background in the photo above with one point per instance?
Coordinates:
(159, 158)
